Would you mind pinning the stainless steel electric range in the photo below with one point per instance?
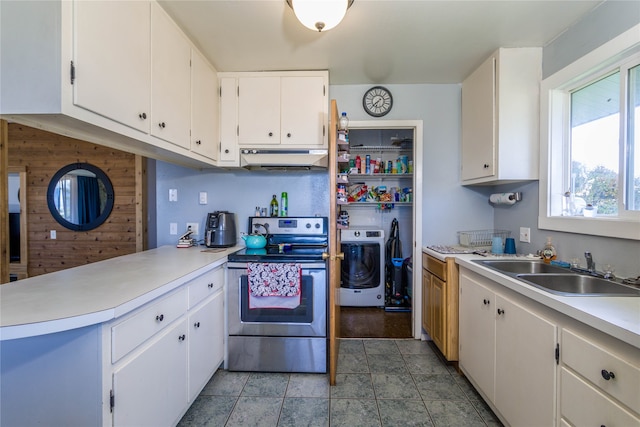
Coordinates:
(287, 334)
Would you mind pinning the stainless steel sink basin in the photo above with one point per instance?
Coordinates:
(523, 267)
(578, 285)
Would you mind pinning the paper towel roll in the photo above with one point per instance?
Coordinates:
(502, 199)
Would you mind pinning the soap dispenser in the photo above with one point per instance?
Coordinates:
(549, 252)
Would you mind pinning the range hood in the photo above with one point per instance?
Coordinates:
(269, 159)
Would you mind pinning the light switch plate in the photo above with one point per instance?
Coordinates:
(53, 234)
(203, 198)
(173, 194)
(173, 228)
(525, 234)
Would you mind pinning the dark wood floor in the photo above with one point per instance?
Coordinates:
(374, 322)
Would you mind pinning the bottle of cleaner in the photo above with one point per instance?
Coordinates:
(343, 123)
(273, 211)
(284, 204)
(549, 252)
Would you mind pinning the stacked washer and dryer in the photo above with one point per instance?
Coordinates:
(362, 278)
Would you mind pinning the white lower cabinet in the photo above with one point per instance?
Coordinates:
(507, 351)
(600, 380)
(163, 354)
(150, 389)
(525, 365)
(206, 330)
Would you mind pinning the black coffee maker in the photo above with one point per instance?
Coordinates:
(221, 230)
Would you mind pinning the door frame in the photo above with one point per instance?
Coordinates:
(417, 208)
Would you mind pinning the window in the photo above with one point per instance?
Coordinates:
(590, 160)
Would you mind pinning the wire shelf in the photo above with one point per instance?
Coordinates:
(478, 238)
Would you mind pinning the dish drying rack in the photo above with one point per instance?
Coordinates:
(480, 238)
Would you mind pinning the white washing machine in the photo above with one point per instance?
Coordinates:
(362, 270)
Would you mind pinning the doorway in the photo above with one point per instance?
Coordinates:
(390, 190)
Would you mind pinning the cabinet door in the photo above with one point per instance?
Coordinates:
(206, 342)
(170, 82)
(229, 154)
(438, 305)
(525, 365)
(477, 333)
(204, 107)
(112, 61)
(302, 111)
(151, 388)
(259, 110)
(478, 122)
(426, 324)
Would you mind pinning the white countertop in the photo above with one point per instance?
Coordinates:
(615, 316)
(99, 292)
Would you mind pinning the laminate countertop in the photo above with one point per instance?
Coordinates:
(101, 291)
(615, 316)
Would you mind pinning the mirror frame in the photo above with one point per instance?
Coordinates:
(103, 215)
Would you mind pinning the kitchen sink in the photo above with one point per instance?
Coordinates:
(577, 285)
(523, 267)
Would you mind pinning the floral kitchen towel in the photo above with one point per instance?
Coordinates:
(274, 285)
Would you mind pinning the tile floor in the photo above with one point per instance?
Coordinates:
(380, 382)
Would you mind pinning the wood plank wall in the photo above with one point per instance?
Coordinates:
(43, 154)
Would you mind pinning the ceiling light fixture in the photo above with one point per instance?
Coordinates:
(320, 15)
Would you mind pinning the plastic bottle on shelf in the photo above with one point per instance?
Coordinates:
(274, 206)
(343, 123)
(284, 204)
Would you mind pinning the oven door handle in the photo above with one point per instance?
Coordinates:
(339, 255)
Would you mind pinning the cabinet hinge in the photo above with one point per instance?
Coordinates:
(323, 130)
(220, 90)
(238, 91)
(557, 353)
(111, 401)
(72, 72)
(324, 90)
(238, 130)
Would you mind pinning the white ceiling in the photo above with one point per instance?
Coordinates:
(379, 41)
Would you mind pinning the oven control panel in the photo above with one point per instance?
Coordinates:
(288, 225)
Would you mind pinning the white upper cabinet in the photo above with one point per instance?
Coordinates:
(259, 111)
(500, 118)
(111, 56)
(204, 107)
(115, 73)
(229, 150)
(288, 110)
(302, 110)
(170, 80)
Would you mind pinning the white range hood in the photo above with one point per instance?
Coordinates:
(283, 159)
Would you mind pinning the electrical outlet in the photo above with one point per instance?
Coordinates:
(173, 228)
(525, 234)
(52, 234)
(193, 226)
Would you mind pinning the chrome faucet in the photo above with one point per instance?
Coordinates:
(591, 265)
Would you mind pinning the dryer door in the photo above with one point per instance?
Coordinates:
(361, 265)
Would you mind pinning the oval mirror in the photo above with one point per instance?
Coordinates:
(80, 196)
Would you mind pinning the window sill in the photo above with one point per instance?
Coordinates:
(597, 226)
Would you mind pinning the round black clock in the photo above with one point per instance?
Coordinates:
(377, 101)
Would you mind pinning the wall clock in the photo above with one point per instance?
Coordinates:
(377, 101)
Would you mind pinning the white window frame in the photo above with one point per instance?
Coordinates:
(554, 110)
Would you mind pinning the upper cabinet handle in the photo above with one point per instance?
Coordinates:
(161, 125)
(142, 115)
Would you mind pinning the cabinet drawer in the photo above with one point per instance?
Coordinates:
(205, 285)
(589, 360)
(435, 266)
(148, 321)
(582, 404)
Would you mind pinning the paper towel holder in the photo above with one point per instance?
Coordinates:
(505, 198)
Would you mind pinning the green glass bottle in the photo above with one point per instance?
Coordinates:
(274, 206)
